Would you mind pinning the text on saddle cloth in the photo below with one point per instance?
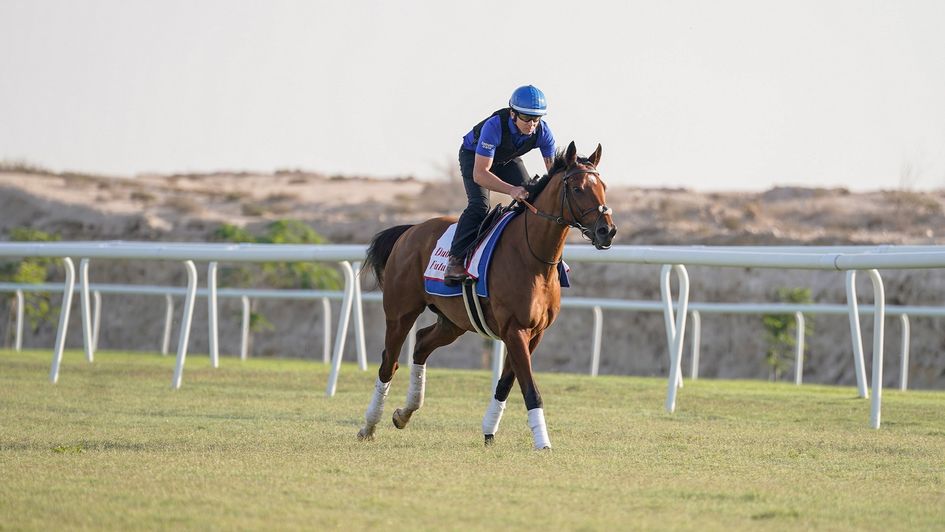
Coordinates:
(478, 265)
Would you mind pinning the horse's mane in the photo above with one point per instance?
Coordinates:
(537, 184)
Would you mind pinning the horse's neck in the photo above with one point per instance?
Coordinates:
(545, 236)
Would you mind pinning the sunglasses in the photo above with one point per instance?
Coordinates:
(527, 118)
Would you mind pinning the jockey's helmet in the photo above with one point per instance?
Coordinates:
(528, 100)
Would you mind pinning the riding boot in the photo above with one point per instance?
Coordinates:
(455, 271)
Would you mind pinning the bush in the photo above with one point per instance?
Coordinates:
(304, 275)
(781, 329)
(37, 306)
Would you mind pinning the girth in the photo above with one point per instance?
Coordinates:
(474, 310)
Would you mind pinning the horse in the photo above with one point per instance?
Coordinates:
(524, 289)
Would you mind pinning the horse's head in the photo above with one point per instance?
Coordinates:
(582, 196)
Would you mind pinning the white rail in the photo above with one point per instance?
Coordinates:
(596, 305)
(869, 258)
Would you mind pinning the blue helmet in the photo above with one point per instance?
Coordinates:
(528, 100)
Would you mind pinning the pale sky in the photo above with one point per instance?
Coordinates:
(730, 95)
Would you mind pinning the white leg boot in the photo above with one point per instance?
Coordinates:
(415, 391)
(374, 410)
(536, 422)
(490, 422)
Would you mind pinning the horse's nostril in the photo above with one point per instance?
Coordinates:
(602, 231)
(613, 231)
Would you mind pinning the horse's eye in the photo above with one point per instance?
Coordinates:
(577, 190)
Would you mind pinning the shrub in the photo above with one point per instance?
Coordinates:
(780, 331)
(277, 274)
(37, 306)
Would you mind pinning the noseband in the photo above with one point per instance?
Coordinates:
(586, 232)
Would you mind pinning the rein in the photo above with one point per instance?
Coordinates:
(576, 223)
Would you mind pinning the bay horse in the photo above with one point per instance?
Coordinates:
(524, 289)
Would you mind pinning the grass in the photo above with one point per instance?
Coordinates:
(257, 445)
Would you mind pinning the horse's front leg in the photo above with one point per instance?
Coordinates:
(519, 348)
(490, 422)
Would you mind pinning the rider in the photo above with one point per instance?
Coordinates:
(490, 159)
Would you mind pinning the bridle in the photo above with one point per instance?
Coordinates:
(566, 196)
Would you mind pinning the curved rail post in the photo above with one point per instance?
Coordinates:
(799, 348)
(326, 330)
(168, 317)
(595, 349)
(879, 315)
(904, 370)
(696, 342)
(498, 360)
(676, 332)
(185, 322)
(214, 332)
(346, 304)
(359, 318)
(63, 319)
(244, 329)
(855, 334)
(86, 310)
(20, 301)
(96, 318)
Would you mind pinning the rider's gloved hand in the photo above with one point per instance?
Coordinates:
(518, 193)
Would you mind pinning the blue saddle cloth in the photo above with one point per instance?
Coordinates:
(478, 265)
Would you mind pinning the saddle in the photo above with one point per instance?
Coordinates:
(487, 224)
(493, 217)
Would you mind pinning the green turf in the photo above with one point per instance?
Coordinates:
(257, 445)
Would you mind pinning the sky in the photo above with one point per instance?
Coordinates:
(721, 95)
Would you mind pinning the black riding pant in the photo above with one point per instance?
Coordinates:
(512, 172)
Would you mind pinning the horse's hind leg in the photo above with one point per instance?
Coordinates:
(443, 332)
(397, 330)
(490, 422)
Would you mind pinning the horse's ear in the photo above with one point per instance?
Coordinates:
(595, 157)
(570, 156)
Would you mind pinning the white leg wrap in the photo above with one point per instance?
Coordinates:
(418, 382)
(536, 422)
(490, 422)
(376, 408)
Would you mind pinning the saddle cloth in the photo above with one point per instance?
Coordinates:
(477, 266)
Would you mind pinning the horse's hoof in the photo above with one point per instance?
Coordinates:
(364, 435)
(545, 449)
(400, 418)
(490, 439)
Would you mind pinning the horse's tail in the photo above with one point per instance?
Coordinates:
(380, 248)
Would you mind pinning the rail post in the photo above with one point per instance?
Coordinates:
(67, 291)
(675, 329)
(326, 330)
(212, 314)
(598, 332)
(96, 318)
(904, 370)
(343, 319)
(244, 328)
(168, 318)
(20, 301)
(84, 304)
(799, 348)
(186, 320)
(696, 343)
(855, 334)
